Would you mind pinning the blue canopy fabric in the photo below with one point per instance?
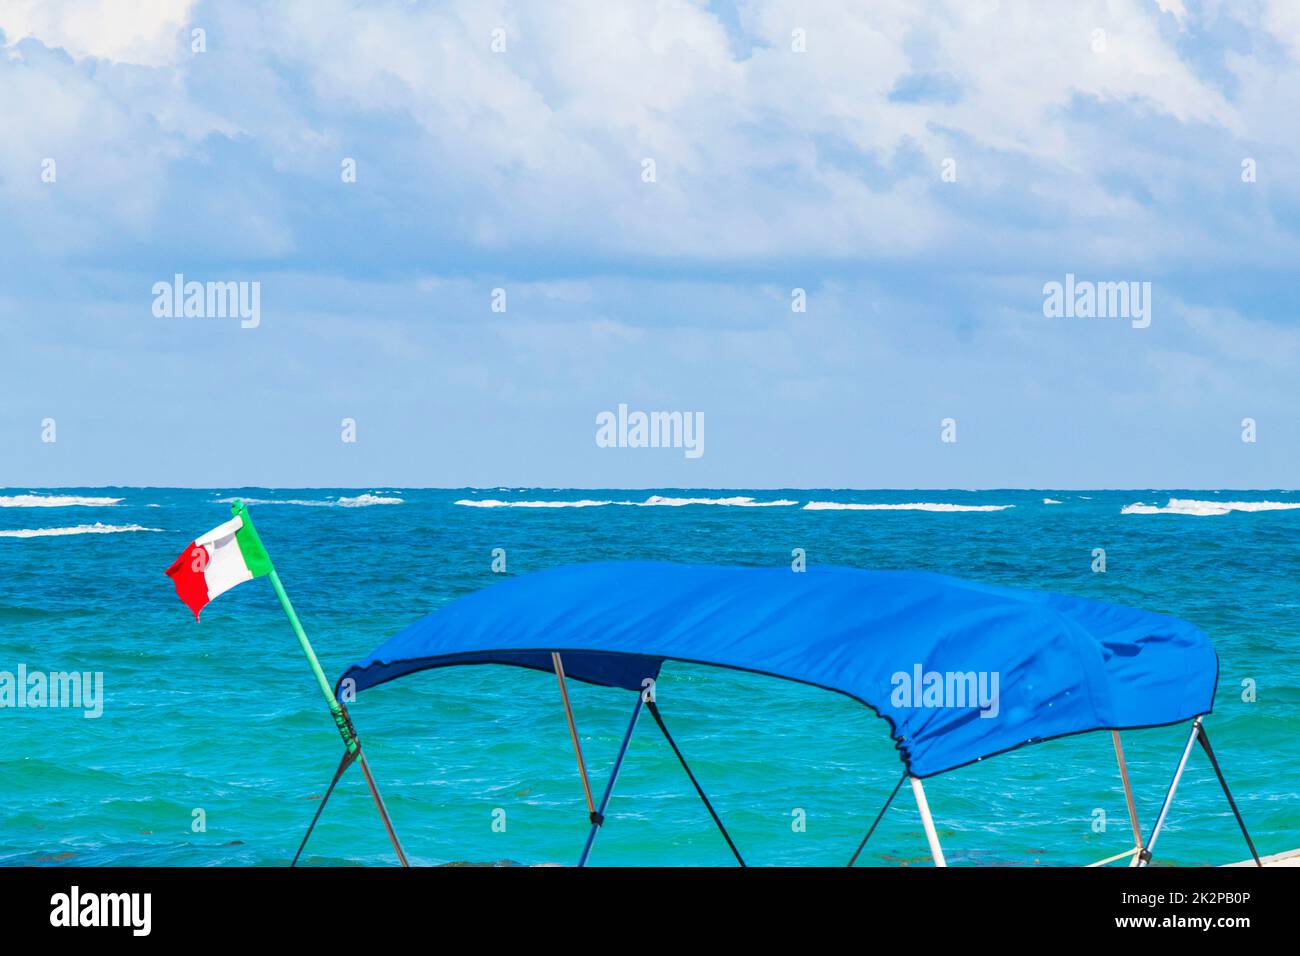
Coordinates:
(1059, 665)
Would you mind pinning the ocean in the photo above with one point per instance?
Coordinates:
(214, 745)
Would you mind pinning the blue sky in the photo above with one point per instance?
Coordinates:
(1114, 155)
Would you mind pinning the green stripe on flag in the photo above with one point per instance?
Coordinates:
(250, 545)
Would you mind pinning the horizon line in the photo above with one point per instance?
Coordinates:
(648, 488)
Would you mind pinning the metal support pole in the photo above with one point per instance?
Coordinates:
(1128, 796)
(927, 821)
(359, 756)
(1145, 856)
(598, 815)
(383, 811)
(573, 734)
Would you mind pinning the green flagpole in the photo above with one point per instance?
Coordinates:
(346, 730)
(337, 711)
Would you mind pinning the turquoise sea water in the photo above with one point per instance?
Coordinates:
(224, 716)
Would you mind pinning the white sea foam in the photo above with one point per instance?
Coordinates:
(910, 506)
(740, 502)
(654, 501)
(1050, 501)
(360, 501)
(55, 501)
(96, 528)
(1193, 506)
(494, 503)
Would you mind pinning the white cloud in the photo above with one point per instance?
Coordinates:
(1232, 337)
(554, 129)
(1174, 8)
(1281, 18)
(769, 153)
(139, 32)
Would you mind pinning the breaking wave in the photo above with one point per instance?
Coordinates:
(494, 503)
(1193, 506)
(910, 506)
(654, 501)
(726, 502)
(360, 501)
(55, 501)
(96, 528)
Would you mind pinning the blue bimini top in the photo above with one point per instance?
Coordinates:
(960, 670)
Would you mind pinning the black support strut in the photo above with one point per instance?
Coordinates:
(879, 816)
(348, 757)
(654, 712)
(1205, 745)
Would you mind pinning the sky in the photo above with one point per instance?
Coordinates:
(648, 184)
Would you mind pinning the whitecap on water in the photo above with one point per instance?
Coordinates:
(909, 506)
(55, 501)
(1194, 506)
(654, 501)
(96, 528)
(360, 501)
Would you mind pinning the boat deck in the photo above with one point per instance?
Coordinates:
(1285, 858)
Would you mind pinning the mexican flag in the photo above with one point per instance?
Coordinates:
(229, 554)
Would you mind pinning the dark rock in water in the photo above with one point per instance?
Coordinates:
(56, 858)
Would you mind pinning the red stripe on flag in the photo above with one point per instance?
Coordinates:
(186, 573)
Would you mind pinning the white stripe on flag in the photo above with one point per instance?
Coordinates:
(221, 531)
(226, 567)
